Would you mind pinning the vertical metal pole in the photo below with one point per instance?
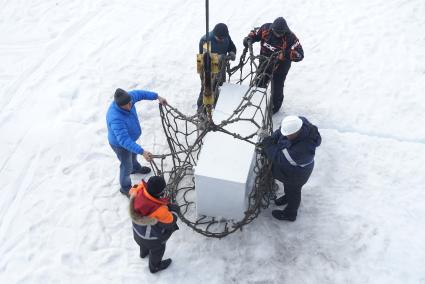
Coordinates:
(207, 22)
(208, 98)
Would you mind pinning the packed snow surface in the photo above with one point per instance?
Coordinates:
(62, 219)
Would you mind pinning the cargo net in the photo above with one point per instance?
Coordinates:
(185, 136)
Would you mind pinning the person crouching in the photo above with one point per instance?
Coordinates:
(154, 220)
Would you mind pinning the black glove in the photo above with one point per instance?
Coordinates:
(246, 40)
(267, 141)
(174, 207)
(176, 227)
(232, 56)
(259, 148)
(294, 55)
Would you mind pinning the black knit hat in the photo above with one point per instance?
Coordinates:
(280, 26)
(121, 97)
(156, 185)
(220, 30)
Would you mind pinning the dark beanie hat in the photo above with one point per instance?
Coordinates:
(156, 185)
(280, 26)
(121, 97)
(221, 30)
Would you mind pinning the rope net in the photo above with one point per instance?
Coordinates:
(185, 135)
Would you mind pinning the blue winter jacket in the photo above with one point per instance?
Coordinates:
(221, 48)
(293, 160)
(123, 126)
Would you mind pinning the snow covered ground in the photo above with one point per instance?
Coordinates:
(362, 81)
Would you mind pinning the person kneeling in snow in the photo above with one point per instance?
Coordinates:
(291, 150)
(154, 220)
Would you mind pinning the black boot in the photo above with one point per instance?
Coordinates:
(141, 170)
(126, 193)
(284, 216)
(162, 265)
(281, 200)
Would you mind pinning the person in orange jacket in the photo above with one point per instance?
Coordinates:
(154, 219)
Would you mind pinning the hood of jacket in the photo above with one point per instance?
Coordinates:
(139, 218)
(309, 133)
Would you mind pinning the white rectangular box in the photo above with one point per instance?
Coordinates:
(223, 175)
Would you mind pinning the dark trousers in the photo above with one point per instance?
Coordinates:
(278, 82)
(128, 165)
(293, 181)
(293, 196)
(155, 248)
(155, 254)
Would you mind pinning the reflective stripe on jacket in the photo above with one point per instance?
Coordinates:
(293, 158)
(152, 220)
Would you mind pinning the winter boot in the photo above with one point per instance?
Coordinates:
(162, 265)
(126, 193)
(142, 170)
(284, 216)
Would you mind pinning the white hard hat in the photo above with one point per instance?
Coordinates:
(290, 125)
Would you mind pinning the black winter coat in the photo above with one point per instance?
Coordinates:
(293, 161)
(289, 43)
(150, 229)
(221, 48)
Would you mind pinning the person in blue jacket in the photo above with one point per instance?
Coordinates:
(291, 150)
(220, 43)
(124, 130)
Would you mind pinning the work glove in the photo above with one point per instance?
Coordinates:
(147, 155)
(259, 148)
(174, 207)
(232, 56)
(267, 141)
(246, 40)
(281, 56)
(294, 55)
(162, 101)
(175, 227)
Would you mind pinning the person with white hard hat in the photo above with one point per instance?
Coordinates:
(291, 149)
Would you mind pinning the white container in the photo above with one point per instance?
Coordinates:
(223, 175)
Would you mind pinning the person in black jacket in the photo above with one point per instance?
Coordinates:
(276, 37)
(292, 149)
(154, 220)
(222, 44)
